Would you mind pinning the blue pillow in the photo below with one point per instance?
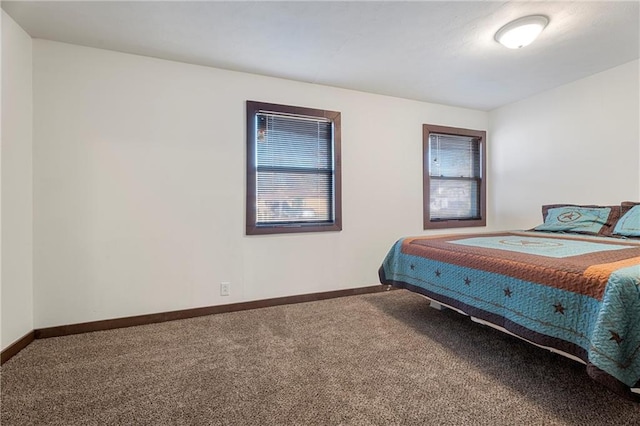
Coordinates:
(629, 224)
(575, 219)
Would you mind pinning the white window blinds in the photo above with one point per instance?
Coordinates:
(454, 171)
(294, 169)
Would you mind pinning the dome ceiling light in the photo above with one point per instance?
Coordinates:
(521, 32)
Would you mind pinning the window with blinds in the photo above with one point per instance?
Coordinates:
(293, 169)
(454, 187)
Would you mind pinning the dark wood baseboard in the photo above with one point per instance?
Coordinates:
(65, 330)
(16, 347)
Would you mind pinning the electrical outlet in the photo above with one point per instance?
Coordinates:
(225, 288)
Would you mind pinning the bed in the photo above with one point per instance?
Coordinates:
(577, 294)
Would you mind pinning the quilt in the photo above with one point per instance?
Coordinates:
(576, 294)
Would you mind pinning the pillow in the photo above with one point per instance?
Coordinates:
(606, 230)
(629, 224)
(586, 220)
(627, 205)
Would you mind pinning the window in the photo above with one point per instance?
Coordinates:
(293, 169)
(454, 177)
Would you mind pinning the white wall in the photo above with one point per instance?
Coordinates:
(16, 183)
(139, 186)
(579, 143)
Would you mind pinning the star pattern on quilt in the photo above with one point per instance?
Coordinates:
(467, 281)
(507, 292)
(438, 273)
(559, 308)
(615, 337)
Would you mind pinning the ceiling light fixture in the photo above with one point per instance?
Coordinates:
(521, 32)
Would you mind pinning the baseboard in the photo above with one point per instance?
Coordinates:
(65, 330)
(16, 347)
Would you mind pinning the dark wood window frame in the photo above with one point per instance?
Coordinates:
(252, 226)
(481, 136)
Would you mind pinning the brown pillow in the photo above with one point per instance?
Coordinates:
(607, 228)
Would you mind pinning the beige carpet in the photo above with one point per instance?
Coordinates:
(377, 359)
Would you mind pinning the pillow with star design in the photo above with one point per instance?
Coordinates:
(592, 220)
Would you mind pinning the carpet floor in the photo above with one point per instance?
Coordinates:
(375, 359)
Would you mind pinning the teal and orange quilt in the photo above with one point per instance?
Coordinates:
(576, 294)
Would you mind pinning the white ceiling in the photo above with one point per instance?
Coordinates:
(434, 51)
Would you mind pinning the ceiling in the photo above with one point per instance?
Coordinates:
(434, 51)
